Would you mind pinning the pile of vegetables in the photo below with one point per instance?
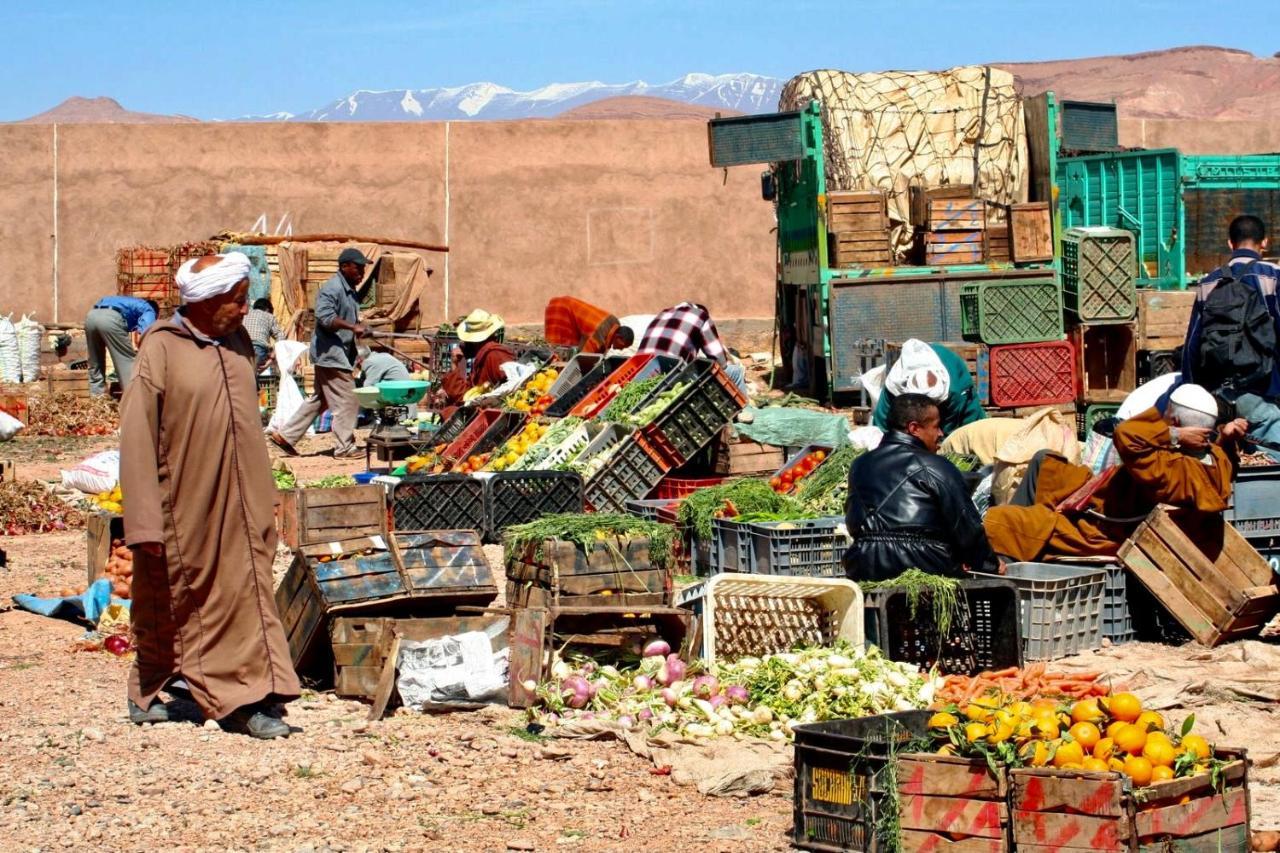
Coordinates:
(333, 481)
(1107, 734)
(559, 432)
(515, 447)
(532, 396)
(786, 480)
(473, 463)
(28, 507)
(749, 499)
(67, 415)
(285, 480)
(964, 464)
(587, 530)
(110, 501)
(758, 697)
(1021, 684)
(119, 569)
(625, 401)
(823, 492)
(589, 466)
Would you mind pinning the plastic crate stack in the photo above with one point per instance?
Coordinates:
(1023, 362)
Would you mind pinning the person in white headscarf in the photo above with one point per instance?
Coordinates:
(937, 373)
(200, 514)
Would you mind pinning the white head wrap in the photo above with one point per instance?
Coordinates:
(918, 370)
(231, 269)
(1195, 398)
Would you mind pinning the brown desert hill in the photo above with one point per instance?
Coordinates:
(643, 107)
(1198, 82)
(77, 110)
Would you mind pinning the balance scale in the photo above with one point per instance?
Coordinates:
(390, 401)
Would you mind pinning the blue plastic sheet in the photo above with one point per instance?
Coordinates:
(787, 427)
(87, 607)
(259, 273)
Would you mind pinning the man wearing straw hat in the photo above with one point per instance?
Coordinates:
(479, 358)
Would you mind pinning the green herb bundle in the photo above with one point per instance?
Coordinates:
(588, 529)
(629, 397)
(832, 473)
(748, 497)
(942, 593)
(333, 481)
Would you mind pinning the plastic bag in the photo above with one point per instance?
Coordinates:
(9, 426)
(29, 333)
(918, 370)
(10, 363)
(95, 475)
(1046, 429)
(866, 437)
(289, 398)
(873, 384)
(458, 668)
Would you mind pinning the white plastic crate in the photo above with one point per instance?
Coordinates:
(754, 615)
(562, 452)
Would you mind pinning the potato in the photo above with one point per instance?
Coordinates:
(120, 590)
(122, 553)
(1266, 841)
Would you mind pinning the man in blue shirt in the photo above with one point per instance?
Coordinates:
(115, 323)
(1247, 238)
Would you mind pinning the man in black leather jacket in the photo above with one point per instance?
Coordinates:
(908, 507)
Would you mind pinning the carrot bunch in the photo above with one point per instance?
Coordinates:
(1031, 682)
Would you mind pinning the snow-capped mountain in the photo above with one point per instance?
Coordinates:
(744, 93)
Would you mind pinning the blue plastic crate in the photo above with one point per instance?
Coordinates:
(982, 379)
(1256, 495)
(1117, 622)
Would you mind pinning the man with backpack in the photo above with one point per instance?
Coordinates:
(1233, 340)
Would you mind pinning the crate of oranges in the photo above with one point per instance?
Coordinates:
(1102, 773)
(516, 446)
(534, 396)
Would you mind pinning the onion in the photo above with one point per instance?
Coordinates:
(575, 691)
(117, 644)
(737, 694)
(645, 715)
(656, 648)
(672, 671)
(718, 701)
(626, 722)
(642, 682)
(705, 686)
(670, 697)
(609, 671)
(561, 670)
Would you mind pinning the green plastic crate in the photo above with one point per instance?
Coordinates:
(1090, 416)
(1099, 272)
(1011, 311)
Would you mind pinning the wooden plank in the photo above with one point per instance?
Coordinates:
(838, 221)
(1201, 579)
(936, 239)
(358, 516)
(1201, 815)
(1233, 839)
(1055, 830)
(100, 529)
(915, 841)
(528, 636)
(1031, 232)
(1149, 572)
(386, 681)
(357, 681)
(943, 777)
(1048, 790)
(982, 818)
(1244, 559)
(7, 474)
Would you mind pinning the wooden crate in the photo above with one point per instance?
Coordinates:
(308, 516)
(15, 405)
(144, 272)
(100, 530)
(1030, 232)
(1204, 572)
(360, 644)
(7, 474)
(859, 210)
(860, 248)
(942, 248)
(739, 457)
(1069, 810)
(952, 804)
(957, 214)
(392, 276)
(1163, 318)
(920, 201)
(998, 237)
(557, 572)
(1107, 362)
(74, 383)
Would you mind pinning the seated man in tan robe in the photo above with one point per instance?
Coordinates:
(1165, 459)
(199, 518)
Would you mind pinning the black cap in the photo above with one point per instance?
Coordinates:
(352, 255)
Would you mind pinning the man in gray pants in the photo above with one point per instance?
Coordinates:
(333, 352)
(110, 325)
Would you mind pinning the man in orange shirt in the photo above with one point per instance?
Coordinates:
(571, 322)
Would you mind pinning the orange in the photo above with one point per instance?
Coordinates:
(1104, 748)
(1096, 765)
(1086, 711)
(1158, 752)
(1161, 774)
(1020, 709)
(1044, 705)
(942, 720)
(1085, 734)
(1114, 727)
(1116, 764)
(1149, 721)
(1130, 739)
(1046, 725)
(947, 749)
(1123, 706)
(1068, 752)
(1198, 745)
(978, 712)
(1138, 769)
(1035, 753)
(975, 732)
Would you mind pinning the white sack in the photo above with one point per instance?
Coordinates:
(99, 473)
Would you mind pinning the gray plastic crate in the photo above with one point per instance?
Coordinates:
(811, 547)
(1061, 608)
(1117, 623)
(732, 546)
(1255, 494)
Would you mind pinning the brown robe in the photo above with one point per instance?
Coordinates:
(485, 367)
(194, 465)
(1153, 473)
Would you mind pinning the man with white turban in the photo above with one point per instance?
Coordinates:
(200, 513)
(937, 373)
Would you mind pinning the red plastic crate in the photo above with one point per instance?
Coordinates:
(598, 398)
(674, 488)
(657, 448)
(1033, 374)
(461, 446)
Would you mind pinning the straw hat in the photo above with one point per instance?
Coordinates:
(479, 325)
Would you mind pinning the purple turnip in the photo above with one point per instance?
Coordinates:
(576, 691)
(642, 683)
(705, 686)
(656, 648)
(737, 694)
(670, 697)
(672, 671)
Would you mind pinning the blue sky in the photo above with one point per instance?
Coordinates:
(227, 59)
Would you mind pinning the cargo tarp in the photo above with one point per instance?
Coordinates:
(893, 130)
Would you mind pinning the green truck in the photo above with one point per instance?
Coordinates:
(1177, 205)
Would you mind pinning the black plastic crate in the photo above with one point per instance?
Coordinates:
(439, 502)
(843, 779)
(630, 474)
(985, 635)
(709, 402)
(521, 496)
(457, 422)
(594, 377)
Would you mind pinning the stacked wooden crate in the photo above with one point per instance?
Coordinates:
(144, 272)
(1163, 318)
(858, 229)
(953, 225)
